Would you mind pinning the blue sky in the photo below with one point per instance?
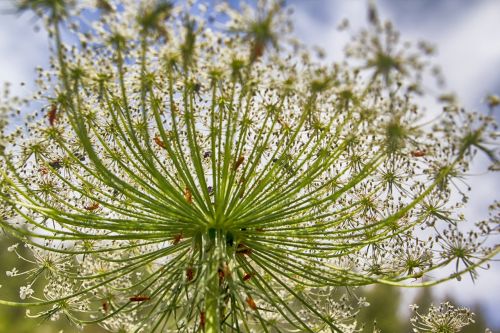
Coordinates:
(465, 31)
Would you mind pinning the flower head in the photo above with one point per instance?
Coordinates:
(443, 319)
(178, 179)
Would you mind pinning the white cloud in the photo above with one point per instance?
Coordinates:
(468, 46)
(21, 50)
(323, 32)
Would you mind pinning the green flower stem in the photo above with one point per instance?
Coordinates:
(212, 292)
(224, 153)
(194, 149)
(212, 313)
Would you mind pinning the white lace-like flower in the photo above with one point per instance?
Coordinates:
(13, 272)
(26, 291)
(442, 319)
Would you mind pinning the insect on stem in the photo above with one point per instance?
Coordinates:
(188, 195)
(159, 142)
(238, 162)
(251, 303)
(52, 115)
(93, 206)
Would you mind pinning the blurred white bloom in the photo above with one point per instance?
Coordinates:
(26, 291)
(443, 319)
(13, 272)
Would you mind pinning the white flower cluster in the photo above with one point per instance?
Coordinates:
(26, 291)
(13, 272)
(444, 318)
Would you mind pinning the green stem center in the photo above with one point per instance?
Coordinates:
(212, 291)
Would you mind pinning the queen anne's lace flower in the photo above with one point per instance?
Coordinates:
(193, 168)
(13, 272)
(442, 319)
(26, 291)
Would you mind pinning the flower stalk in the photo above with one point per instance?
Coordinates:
(213, 285)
